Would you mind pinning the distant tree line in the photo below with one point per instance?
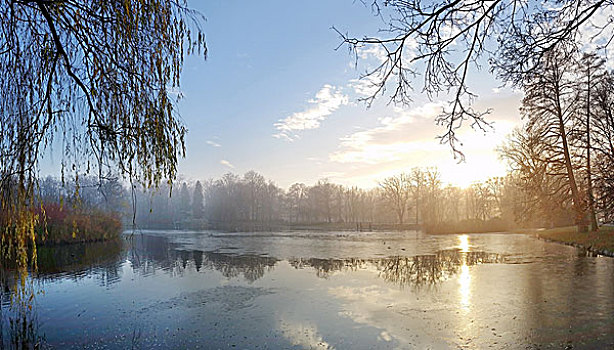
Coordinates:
(417, 197)
(252, 198)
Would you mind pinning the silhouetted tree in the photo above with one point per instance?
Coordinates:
(593, 71)
(297, 201)
(184, 200)
(603, 146)
(197, 201)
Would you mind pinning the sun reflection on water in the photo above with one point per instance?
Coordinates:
(464, 278)
(463, 245)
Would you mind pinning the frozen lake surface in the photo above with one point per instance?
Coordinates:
(321, 290)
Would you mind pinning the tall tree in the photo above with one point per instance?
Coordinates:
(255, 185)
(184, 200)
(417, 185)
(197, 201)
(543, 189)
(548, 105)
(603, 146)
(296, 196)
(592, 68)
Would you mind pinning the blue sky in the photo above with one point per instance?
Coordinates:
(269, 61)
(276, 97)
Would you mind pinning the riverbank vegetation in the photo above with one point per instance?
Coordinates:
(71, 212)
(601, 242)
(61, 225)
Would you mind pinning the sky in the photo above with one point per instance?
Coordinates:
(275, 96)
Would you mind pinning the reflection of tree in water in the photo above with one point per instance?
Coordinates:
(325, 267)
(429, 269)
(405, 271)
(19, 327)
(19, 323)
(101, 260)
(252, 267)
(150, 253)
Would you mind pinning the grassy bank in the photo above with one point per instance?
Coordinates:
(601, 242)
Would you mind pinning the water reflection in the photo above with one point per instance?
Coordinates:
(464, 279)
(150, 253)
(416, 271)
(173, 287)
(101, 260)
(19, 327)
(463, 244)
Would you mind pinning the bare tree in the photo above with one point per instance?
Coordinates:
(417, 184)
(603, 146)
(593, 72)
(445, 38)
(397, 191)
(548, 105)
(296, 197)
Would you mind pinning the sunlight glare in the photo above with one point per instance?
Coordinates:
(464, 288)
(463, 245)
(464, 278)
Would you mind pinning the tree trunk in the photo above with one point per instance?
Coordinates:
(592, 218)
(580, 219)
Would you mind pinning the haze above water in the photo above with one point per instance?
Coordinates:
(319, 290)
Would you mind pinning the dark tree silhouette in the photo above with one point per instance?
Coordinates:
(184, 200)
(197, 201)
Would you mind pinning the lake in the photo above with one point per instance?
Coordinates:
(318, 290)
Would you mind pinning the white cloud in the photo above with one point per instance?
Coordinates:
(227, 163)
(326, 101)
(372, 52)
(388, 142)
(213, 143)
(407, 139)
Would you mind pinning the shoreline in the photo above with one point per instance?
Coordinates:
(597, 243)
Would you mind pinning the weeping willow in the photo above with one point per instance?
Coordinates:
(95, 81)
